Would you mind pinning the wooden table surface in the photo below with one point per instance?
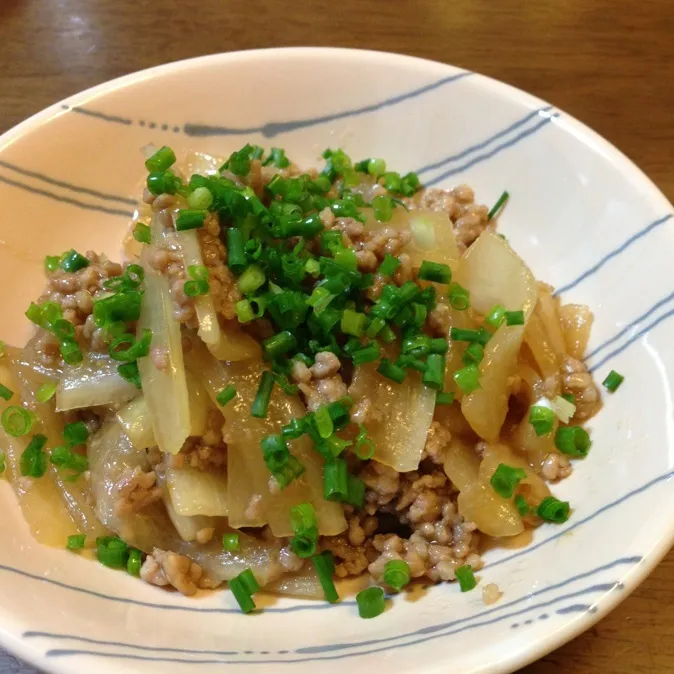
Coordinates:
(610, 63)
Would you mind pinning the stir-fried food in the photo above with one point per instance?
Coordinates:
(295, 377)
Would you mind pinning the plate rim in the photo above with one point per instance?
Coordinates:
(638, 572)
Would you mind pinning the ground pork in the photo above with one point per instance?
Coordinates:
(577, 381)
(165, 568)
(320, 392)
(136, 490)
(205, 452)
(556, 466)
(437, 442)
(350, 560)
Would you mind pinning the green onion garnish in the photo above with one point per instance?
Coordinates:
(353, 323)
(16, 421)
(435, 271)
(275, 452)
(522, 506)
(251, 279)
(236, 255)
(230, 541)
(223, 397)
(444, 398)
(500, 202)
(75, 434)
(364, 447)
(279, 344)
(46, 392)
(514, 317)
(2, 462)
(459, 297)
(572, 440)
(397, 574)
(277, 157)
(335, 480)
(76, 541)
(198, 285)
(127, 348)
(161, 160)
(243, 587)
(130, 373)
(72, 261)
(551, 509)
(389, 265)
(368, 354)
(33, 462)
(391, 371)
(383, 208)
(496, 316)
(305, 527)
(434, 376)
(505, 479)
(112, 552)
(467, 378)
(134, 562)
(325, 569)
(612, 381)
(6, 394)
(163, 182)
(473, 354)
(52, 263)
(371, 602)
(142, 233)
(65, 459)
(464, 335)
(464, 574)
(189, 219)
(542, 419)
(201, 199)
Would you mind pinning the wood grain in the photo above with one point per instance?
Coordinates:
(608, 62)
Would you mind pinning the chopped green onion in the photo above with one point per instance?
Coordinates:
(444, 398)
(142, 233)
(434, 375)
(612, 381)
(251, 279)
(312, 267)
(325, 568)
(190, 219)
(161, 160)
(467, 378)
(569, 397)
(391, 371)
(127, 348)
(355, 495)
(199, 284)
(542, 419)
(75, 434)
(551, 509)
(376, 167)
(230, 541)
(514, 317)
(71, 352)
(278, 344)
(45, 392)
(134, 562)
(459, 297)
(505, 479)
(112, 551)
(65, 459)
(353, 323)
(389, 265)
(396, 574)
(305, 527)
(473, 354)
(572, 440)
(241, 587)
(364, 447)
(33, 461)
(522, 506)
(392, 181)
(16, 421)
(464, 574)
(244, 311)
(371, 602)
(500, 202)
(439, 345)
(122, 306)
(387, 335)
(163, 182)
(290, 471)
(383, 208)
(323, 422)
(73, 261)
(129, 372)
(236, 254)
(201, 199)
(335, 480)
(368, 354)
(224, 396)
(2, 462)
(52, 263)
(435, 271)
(275, 452)
(496, 316)
(76, 541)
(409, 184)
(6, 394)
(464, 335)
(277, 157)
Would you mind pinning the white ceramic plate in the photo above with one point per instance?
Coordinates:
(583, 217)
